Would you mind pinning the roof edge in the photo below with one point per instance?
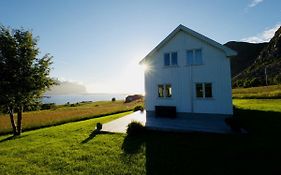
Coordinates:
(229, 52)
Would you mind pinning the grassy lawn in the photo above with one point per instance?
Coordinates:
(69, 149)
(73, 149)
(261, 117)
(64, 114)
(265, 92)
(259, 104)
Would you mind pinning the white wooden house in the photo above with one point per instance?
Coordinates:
(189, 72)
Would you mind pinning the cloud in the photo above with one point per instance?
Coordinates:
(254, 3)
(264, 36)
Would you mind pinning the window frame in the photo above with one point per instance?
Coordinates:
(171, 59)
(167, 61)
(203, 85)
(201, 91)
(166, 93)
(161, 94)
(205, 91)
(194, 60)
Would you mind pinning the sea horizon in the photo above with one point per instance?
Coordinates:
(60, 99)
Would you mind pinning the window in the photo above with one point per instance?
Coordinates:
(189, 56)
(204, 90)
(167, 59)
(174, 58)
(208, 90)
(194, 57)
(198, 56)
(160, 90)
(171, 59)
(164, 90)
(168, 90)
(199, 90)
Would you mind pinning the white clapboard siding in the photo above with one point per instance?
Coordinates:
(215, 69)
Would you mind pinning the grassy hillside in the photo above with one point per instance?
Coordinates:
(64, 114)
(73, 149)
(264, 92)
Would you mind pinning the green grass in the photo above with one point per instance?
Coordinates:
(259, 104)
(73, 148)
(264, 92)
(68, 149)
(65, 114)
(261, 117)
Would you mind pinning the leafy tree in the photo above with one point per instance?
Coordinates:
(23, 77)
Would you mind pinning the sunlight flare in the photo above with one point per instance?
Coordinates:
(145, 67)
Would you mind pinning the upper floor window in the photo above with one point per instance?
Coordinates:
(203, 90)
(194, 57)
(171, 59)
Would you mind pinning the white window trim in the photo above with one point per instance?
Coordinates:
(193, 58)
(164, 92)
(170, 56)
(204, 92)
(158, 91)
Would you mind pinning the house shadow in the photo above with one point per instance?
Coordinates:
(206, 153)
(259, 122)
(93, 134)
(133, 144)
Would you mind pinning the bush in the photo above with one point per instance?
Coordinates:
(138, 108)
(74, 104)
(113, 99)
(135, 128)
(33, 107)
(48, 106)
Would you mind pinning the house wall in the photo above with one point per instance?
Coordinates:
(215, 69)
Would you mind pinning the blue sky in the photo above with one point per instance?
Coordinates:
(99, 43)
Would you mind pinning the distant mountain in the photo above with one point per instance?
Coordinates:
(66, 88)
(267, 65)
(247, 54)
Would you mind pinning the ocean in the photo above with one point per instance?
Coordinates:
(63, 99)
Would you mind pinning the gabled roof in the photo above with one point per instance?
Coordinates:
(229, 52)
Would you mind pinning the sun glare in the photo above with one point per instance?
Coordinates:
(145, 67)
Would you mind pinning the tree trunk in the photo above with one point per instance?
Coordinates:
(11, 113)
(19, 120)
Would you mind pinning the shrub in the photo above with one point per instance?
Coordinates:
(74, 104)
(135, 128)
(48, 106)
(33, 107)
(138, 108)
(113, 99)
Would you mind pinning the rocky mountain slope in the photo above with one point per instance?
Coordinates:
(266, 68)
(247, 54)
